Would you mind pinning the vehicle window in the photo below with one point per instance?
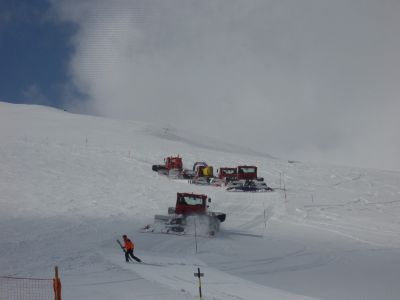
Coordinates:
(193, 200)
(229, 171)
(248, 170)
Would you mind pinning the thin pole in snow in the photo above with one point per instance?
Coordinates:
(284, 186)
(284, 189)
(195, 233)
(199, 275)
(265, 219)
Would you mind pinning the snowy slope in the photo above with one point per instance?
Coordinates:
(70, 185)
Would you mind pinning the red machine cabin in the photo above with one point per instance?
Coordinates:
(227, 173)
(187, 203)
(247, 172)
(174, 163)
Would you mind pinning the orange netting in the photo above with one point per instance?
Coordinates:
(14, 288)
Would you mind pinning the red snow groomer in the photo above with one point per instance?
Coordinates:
(190, 215)
(227, 174)
(173, 167)
(245, 179)
(247, 173)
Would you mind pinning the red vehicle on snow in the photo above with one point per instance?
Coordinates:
(189, 207)
(239, 173)
(246, 173)
(173, 167)
(227, 174)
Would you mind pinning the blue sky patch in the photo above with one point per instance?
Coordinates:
(34, 53)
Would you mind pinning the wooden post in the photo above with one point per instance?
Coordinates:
(56, 285)
(199, 275)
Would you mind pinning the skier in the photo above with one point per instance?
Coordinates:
(129, 246)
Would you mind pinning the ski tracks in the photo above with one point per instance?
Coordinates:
(178, 273)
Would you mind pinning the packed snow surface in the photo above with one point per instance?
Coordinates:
(70, 185)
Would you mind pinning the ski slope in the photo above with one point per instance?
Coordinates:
(70, 185)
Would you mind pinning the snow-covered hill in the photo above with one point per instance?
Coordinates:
(70, 185)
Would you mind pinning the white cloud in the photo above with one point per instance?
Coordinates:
(300, 79)
(33, 94)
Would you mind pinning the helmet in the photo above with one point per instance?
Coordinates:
(124, 236)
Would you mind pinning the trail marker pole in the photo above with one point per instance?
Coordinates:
(199, 275)
(265, 220)
(195, 233)
(56, 285)
(284, 186)
(284, 190)
(265, 216)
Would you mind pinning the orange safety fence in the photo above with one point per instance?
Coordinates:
(20, 288)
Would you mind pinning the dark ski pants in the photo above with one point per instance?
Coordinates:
(129, 253)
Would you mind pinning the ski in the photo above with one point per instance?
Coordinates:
(120, 244)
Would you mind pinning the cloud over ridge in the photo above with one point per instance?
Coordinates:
(311, 80)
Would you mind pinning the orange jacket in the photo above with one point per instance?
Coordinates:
(128, 245)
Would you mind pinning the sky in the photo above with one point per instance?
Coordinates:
(34, 53)
(302, 80)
